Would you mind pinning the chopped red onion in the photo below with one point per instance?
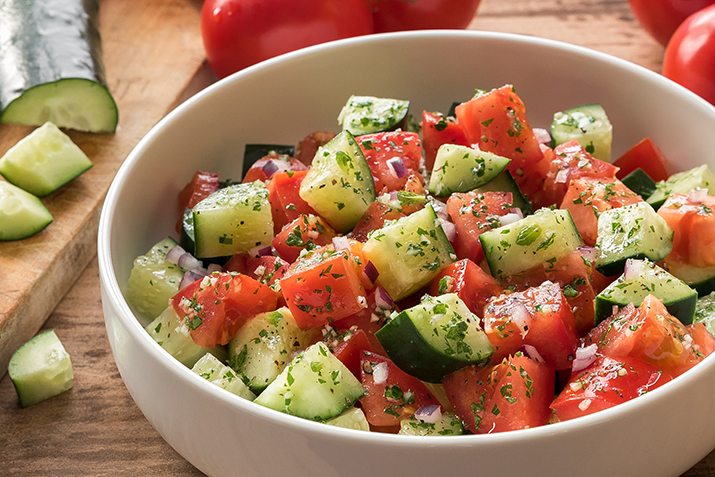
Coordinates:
(191, 276)
(531, 352)
(450, 230)
(562, 177)
(260, 251)
(698, 195)
(430, 413)
(341, 243)
(633, 269)
(397, 167)
(174, 254)
(542, 135)
(589, 253)
(189, 262)
(584, 357)
(214, 267)
(370, 272)
(383, 299)
(270, 168)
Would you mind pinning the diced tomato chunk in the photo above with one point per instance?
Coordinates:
(391, 394)
(348, 347)
(586, 197)
(540, 317)
(649, 333)
(608, 381)
(473, 214)
(370, 320)
(266, 167)
(202, 185)
(218, 305)
(284, 196)
(373, 219)
(438, 129)
(513, 394)
(496, 121)
(702, 338)
(305, 152)
(267, 269)
(323, 286)
(398, 146)
(304, 233)
(474, 286)
(693, 224)
(644, 155)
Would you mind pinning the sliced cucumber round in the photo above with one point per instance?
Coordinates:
(21, 213)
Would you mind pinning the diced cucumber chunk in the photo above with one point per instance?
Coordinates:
(315, 385)
(700, 279)
(705, 312)
(435, 338)
(640, 182)
(461, 169)
(643, 278)
(263, 347)
(172, 334)
(352, 418)
(632, 231)
(409, 252)
(339, 184)
(368, 114)
(505, 182)
(448, 425)
(232, 220)
(544, 237)
(153, 281)
(40, 369)
(44, 161)
(214, 371)
(587, 124)
(682, 183)
(74, 103)
(21, 213)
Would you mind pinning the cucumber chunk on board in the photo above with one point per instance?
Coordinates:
(41, 369)
(44, 161)
(21, 213)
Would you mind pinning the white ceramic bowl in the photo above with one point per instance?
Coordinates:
(280, 101)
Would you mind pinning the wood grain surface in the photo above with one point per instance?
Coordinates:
(95, 429)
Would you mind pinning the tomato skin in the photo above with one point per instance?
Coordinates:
(514, 394)
(660, 18)
(308, 146)
(217, 306)
(378, 148)
(398, 397)
(239, 33)
(281, 161)
(693, 224)
(305, 232)
(399, 15)
(285, 200)
(374, 218)
(438, 129)
(607, 382)
(369, 320)
(644, 155)
(690, 56)
(202, 185)
(349, 350)
(474, 286)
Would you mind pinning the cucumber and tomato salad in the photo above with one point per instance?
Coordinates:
(364, 289)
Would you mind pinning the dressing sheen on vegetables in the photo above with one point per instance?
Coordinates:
(502, 280)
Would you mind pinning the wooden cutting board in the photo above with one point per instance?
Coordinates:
(153, 56)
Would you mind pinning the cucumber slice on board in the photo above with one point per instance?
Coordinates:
(52, 67)
(44, 161)
(21, 213)
(41, 369)
(587, 124)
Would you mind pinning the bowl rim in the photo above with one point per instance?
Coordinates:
(112, 290)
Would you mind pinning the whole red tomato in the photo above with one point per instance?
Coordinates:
(398, 15)
(690, 56)
(239, 33)
(660, 18)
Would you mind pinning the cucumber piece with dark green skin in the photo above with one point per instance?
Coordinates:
(682, 183)
(368, 114)
(52, 67)
(460, 168)
(21, 213)
(505, 182)
(700, 279)
(640, 182)
(435, 338)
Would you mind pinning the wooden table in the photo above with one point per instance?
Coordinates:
(96, 429)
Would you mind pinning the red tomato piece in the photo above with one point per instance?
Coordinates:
(202, 185)
(496, 121)
(322, 287)
(607, 382)
(267, 269)
(391, 394)
(690, 56)
(380, 148)
(218, 305)
(660, 18)
(304, 233)
(644, 155)
(586, 197)
(308, 146)
(473, 214)
(702, 338)
(399, 15)
(374, 218)
(238, 263)
(540, 317)
(369, 320)
(693, 224)
(267, 166)
(284, 196)
(348, 347)
(649, 333)
(514, 394)
(474, 286)
(438, 129)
